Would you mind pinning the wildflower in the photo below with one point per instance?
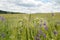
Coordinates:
(55, 32)
(40, 32)
(2, 18)
(37, 38)
(44, 24)
(38, 35)
(3, 35)
(52, 14)
(46, 28)
(44, 35)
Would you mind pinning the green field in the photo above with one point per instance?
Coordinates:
(30, 27)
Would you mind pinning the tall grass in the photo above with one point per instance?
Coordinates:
(38, 27)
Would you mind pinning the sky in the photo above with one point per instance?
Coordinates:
(30, 6)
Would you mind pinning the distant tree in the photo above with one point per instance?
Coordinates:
(3, 12)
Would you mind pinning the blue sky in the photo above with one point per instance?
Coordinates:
(30, 6)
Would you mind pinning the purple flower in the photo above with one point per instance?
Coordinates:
(44, 24)
(2, 18)
(44, 35)
(46, 28)
(55, 32)
(37, 38)
(38, 35)
(52, 14)
(40, 32)
(3, 35)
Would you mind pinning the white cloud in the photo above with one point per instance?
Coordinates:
(30, 6)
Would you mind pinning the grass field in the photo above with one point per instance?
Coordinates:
(30, 27)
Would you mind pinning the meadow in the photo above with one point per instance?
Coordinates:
(30, 27)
